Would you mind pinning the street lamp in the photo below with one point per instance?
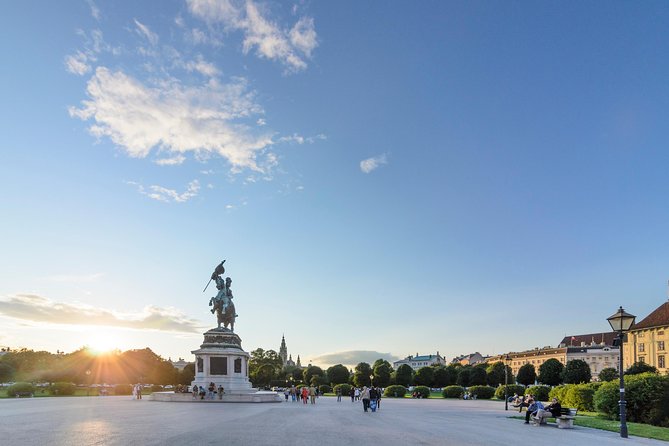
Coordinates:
(621, 322)
(507, 358)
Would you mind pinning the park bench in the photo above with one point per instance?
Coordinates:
(566, 418)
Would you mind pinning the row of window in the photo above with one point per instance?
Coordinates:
(660, 346)
(660, 361)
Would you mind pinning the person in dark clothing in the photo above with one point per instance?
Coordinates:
(552, 410)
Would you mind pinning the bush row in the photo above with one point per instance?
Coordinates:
(395, 391)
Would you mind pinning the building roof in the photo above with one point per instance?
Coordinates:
(658, 318)
(606, 337)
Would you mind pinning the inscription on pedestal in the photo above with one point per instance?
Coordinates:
(218, 365)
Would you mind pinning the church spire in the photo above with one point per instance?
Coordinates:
(283, 351)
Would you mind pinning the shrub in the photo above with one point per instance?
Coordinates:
(123, 389)
(540, 392)
(579, 396)
(511, 389)
(559, 392)
(423, 391)
(345, 389)
(395, 391)
(156, 388)
(62, 388)
(20, 387)
(453, 392)
(647, 397)
(482, 392)
(324, 388)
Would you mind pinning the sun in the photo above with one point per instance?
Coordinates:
(100, 344)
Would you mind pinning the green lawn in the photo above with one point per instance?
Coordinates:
(590, 419)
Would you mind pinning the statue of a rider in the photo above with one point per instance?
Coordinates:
(222, 303)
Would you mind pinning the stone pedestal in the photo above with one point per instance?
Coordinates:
(221, 360)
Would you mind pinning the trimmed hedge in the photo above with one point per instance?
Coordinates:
(123, 389)
(512, 388)
(579, 396)
(647, 397)
(62, 388)
(395, 391)
(324, 388)
(345, 389)
(20, 387)
(453, 392)
(424, 391)
(482, 392)
(540, 392)
(559, 392)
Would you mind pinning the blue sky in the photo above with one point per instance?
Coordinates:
(382, 178)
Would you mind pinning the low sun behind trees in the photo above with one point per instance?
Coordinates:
(84, 367)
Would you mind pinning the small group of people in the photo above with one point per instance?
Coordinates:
(209, 393)
(304, 394)
(371, 398)
(137, 391)
(536, 410)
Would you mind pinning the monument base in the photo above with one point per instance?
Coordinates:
(251, 397)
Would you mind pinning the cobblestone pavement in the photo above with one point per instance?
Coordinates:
(123, 421)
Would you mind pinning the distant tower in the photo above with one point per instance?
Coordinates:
(290, 361)
(298, 361)
(283, 351)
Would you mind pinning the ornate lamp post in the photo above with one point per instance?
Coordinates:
(621, 322)
(507, 358)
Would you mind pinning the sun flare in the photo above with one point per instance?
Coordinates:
(101, 344)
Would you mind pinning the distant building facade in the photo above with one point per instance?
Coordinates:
(416, 362)
(286, 359)
(647, 341)
(595, 349)
(470, 359)
(180, 364)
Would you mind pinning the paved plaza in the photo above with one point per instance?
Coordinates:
(123, 421)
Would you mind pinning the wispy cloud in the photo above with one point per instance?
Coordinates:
(351, 358)
(144, 31)
(373, 163)
(77, 63)
(173, 161)
(38, 309)
(95, 11)
(166, 195)
(289, 46)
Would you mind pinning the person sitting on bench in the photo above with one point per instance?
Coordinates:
(552, 410)
(532, 408)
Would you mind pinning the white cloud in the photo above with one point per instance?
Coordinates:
(173, 161)
(261, 33)
(144, 30)
(203, 67)
(77, 64)
(95, 11)
(173, 117)
(166, 195)
(42, 310)
(371, 164)
(261, 122)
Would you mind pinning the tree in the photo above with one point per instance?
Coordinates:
(382, 372)
(477, 376)
(424, 376)
(550, 372)
(338, 374)
(495, 374)
(608, 374)
(527, 375)
(264, 366)
(310, 372)
(442, 377)
(187, 375)
(361, 375)
(6, 372)
(464, 376)
(404, 375)
(576, 371)
(640, 367)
